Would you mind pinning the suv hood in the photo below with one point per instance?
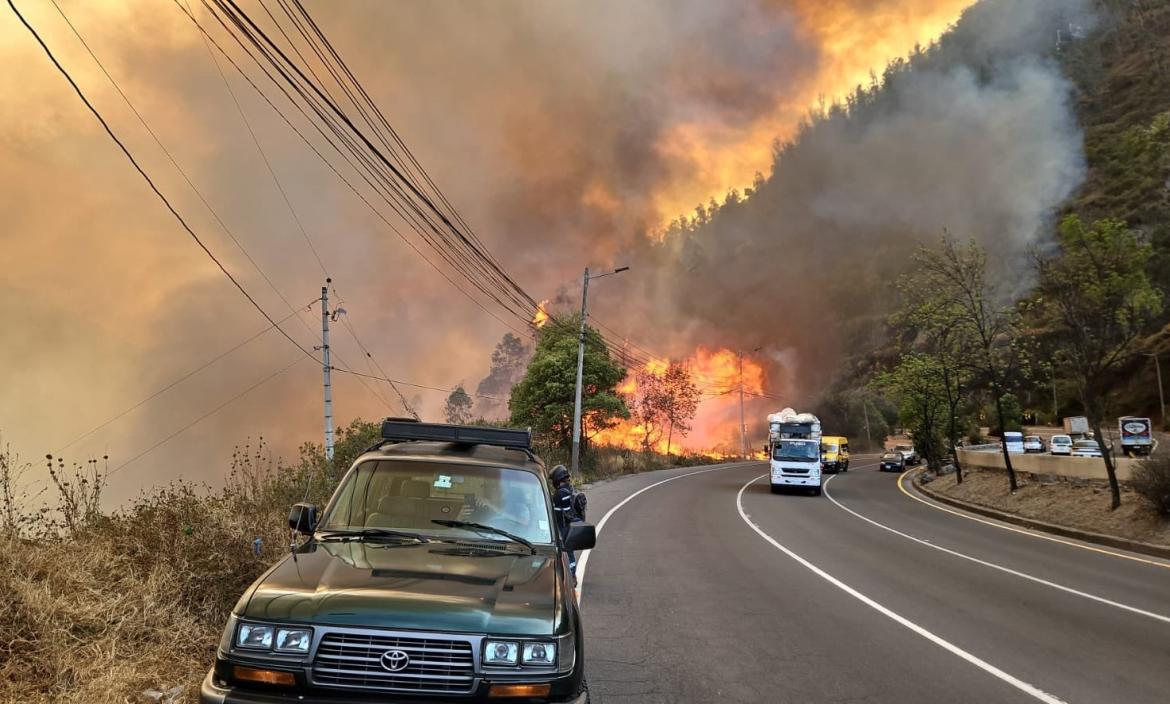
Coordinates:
(433, 586)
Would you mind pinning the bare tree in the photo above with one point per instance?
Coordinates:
(982, 316)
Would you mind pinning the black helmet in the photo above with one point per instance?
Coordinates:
(558, 475)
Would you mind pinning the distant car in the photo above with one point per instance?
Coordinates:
(907, 451)
(1014, 441)
(1086, 448)
(1033, 443)
(892, 462)
(1060, 445)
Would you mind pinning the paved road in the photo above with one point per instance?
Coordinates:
(707, 588)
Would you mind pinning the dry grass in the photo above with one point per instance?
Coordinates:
(134, 602)
(1062, 503)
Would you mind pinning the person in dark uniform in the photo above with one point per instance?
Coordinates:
(563, 508)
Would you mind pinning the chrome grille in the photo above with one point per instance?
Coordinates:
(355, 660)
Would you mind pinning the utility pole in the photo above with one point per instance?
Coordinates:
(742, 420)
(580, 370)
(325, 369)
(1055, 406)
(865, 412)
(1161, 393)
(576, 463)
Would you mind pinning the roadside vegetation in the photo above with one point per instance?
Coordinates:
(111, 606)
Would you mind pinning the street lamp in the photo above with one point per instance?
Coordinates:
(581, 363)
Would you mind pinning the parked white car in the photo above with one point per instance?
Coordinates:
(1086, 448)
(1060, 445)
(1033, 443)
(1014, 440)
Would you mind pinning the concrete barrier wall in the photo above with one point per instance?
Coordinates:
(1043, 463)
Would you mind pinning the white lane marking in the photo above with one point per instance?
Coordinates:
(1021, 531)
(584, 561)
(937, 640)
(1001, 568)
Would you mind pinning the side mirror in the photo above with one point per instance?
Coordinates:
(582, 536)
(303, 518)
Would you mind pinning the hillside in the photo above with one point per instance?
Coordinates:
(1122, 74)
(1023, 112)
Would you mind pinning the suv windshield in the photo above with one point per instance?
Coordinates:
(409, 496)
(795, 450)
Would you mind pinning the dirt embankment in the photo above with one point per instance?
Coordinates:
(1084, 507)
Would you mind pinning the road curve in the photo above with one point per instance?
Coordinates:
(708, 588)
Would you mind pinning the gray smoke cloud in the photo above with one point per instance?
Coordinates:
(979, 139)
(564, 131)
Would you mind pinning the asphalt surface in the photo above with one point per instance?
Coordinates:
(685, 600)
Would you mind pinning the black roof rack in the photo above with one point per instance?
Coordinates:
(401, 430)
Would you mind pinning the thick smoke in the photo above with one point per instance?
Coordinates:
(565, 132)
(977, 138)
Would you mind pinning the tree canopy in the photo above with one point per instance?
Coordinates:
(543, 399)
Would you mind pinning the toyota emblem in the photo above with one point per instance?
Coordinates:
(395, 660)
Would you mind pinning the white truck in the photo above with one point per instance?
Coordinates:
(1137, 435)
(794, 449)
(1077, 427)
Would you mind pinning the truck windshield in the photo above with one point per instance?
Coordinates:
(408, 496)
(828, 447)
(795, 451)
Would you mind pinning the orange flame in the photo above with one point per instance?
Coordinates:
(715, 431)
(541, 317)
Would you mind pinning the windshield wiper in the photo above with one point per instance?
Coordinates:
(365, 533)
(487, 529)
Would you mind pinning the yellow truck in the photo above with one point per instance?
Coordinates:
(835, 453)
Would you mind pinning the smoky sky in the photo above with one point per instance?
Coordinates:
(568, 134)
(980, 141)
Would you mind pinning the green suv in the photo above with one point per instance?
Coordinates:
(435, 574)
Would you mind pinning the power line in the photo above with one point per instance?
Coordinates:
(263, 156)
(168, 387)
(223, 225)
(327, 163)
(457, 248)
(125, 151)
(417, 386)
(205, 416)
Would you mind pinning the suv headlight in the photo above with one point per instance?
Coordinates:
(500, 652)
(253, 635)
(293, 640)
(540, 654)
(281, 639)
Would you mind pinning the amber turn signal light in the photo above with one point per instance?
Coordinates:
(251, 674)
(499, 691)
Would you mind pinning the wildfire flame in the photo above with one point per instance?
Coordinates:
(716, 425)
(541, 317)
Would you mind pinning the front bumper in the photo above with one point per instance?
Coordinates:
(802, 480)
(213, 691)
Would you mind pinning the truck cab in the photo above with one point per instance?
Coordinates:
(835, 453)
(794, 451)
